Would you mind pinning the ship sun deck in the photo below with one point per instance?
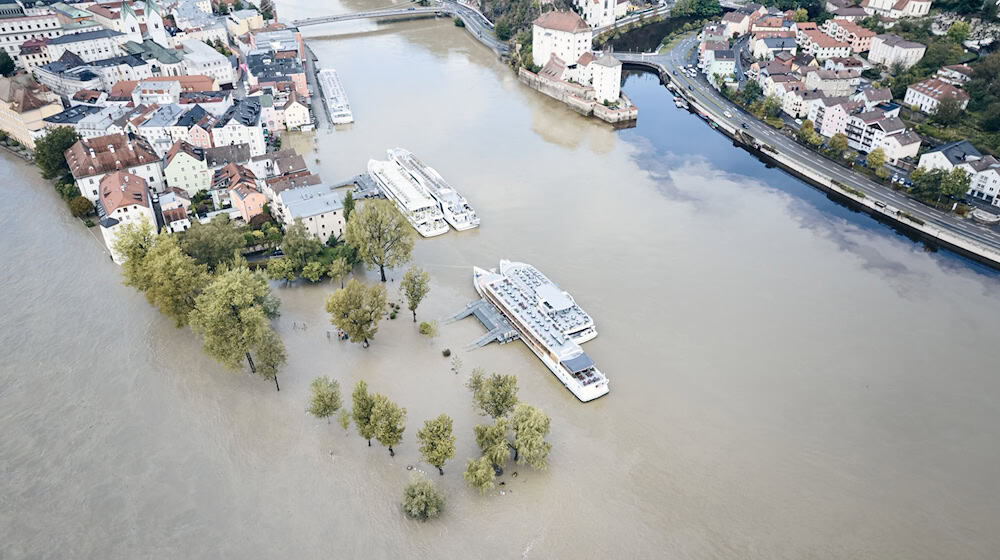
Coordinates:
(556, 303)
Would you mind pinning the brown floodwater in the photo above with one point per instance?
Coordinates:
(788, 379)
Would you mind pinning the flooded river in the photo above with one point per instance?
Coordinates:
(788, 379)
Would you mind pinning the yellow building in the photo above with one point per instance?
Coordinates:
(23, 105)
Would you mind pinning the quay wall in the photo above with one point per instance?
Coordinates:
(579, 98)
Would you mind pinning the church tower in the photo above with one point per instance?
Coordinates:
(154, 24)
(129, 23)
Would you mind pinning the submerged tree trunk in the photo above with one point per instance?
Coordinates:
(279, 388)
(391, 452)
(414, 315)
(369, 443)
(510, 445)
(253, 368)
(382, 270)
(441, 471)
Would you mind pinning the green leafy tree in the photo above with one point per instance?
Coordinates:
(325, 399)
(437, 443)
(174, 279)
(299, 246)
(959, 31)
(389, 419)
(50, 151)
(838, 145)
(214, 243)
(356, 309)
(421, 500)
(313, 271)
(339, 269)
(132, 242)
(530, 426)
(956, 183)
(801, 15)
(349, 203)
(6, 64)
(809, 134)
(772, 106)
(281, 268)
(344, 419)
(875, 159)
(361, 411)
(231, 315)
(416, 283)
(80, 206)
(270, 351)
(751, 92)
(267, 9)
(492, 440)
(696, 8)
(428, 329)
(381, 234)
(480, 475)
(495, 395)
(948, 111)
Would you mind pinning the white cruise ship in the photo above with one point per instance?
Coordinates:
(529, 311)
(456, 209)
(416, 205)
(569, 317)
(335, 97)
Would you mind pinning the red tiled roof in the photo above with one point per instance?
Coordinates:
(120, 189)
(562, 21)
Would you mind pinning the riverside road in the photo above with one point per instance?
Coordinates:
(685, 52)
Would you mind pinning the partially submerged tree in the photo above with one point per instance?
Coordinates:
(480, 475)
(416, 283)
(437, 443)
(381, 234)
(50, 151)
(174, 279)
(495, 395)
(530, 426)
(356, 309)
(299, 246)
(344, 418)
(339, 269)
(270, 351)
(325, 399)
(349, 203)
(214, 243)
(281, 268)
(388, 419)
(492, 441)
(132, 243)
(421, 500)
(361, 411)
(232, 313)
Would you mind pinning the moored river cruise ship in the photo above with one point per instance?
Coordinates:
(529, 308)
(413, 202)
(455, 207)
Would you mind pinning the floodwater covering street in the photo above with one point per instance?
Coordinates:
(789, 379)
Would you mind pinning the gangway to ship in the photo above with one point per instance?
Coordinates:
(499, 328)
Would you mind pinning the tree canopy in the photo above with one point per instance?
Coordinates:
(480, 475)
(231, 315)
(495, 395)
(696, 8)
(875, 159)
(50, 151)
(361, 411)
(437, 443)
(324, 401)
(492, 441)
(530, 426)
(356, 309)
(214, 243)
(416, 283)
(132, 243)
(173, 279)
(6, 64)
(299, 246)
(381, 234)
(421, 500)
(388, 419)
(270, 352)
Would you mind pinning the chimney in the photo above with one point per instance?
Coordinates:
(111, 148)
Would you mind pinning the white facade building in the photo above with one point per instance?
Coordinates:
(241, 125)
(185, 168)
(15, 31)
(123, 199)
(90, 159)
(563, 34)
(598, 13)
(889, 49)
(927, 94)
(90, 46)
(319, 207)
(606, 79)
(201, 59)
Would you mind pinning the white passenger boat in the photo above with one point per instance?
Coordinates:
(555, 302)
(413, 202)
(335, 97)
(455, 208)
(528, 307)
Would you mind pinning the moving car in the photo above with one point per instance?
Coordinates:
(728, 114)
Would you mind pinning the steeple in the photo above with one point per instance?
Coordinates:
(129, 23)
(154, 24)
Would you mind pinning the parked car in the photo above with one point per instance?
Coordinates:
(798, 122)
(728, 114)
(744, 125)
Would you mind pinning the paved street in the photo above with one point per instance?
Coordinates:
(685, 52)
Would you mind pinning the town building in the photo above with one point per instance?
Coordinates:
(872, 97)
(185, 168)
(70, 117)
(829, 115)
(160, 130)
(926, 95)
(247, 199)
(270, 69)
(123, 199)
(858, 37)
(767, 48)
(241, 125)
(319, 207)
(24, 106)
(607, 79)
(201, 59)
(597, 13)
(90, 159)
(241, 22)
(561, 34)
(889, 49)
(721, 63)
(295, 113)
(896, 9)
(164, 61)
(198, 122)
(89, 46)
(816, 43)
(222, 156)
(833, 83)
(33, 53)
(16, 28)
(737, 23)
(983, 171)
(956, 74)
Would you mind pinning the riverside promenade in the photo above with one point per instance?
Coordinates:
(945, 229)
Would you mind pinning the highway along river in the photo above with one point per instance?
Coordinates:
(788, 379)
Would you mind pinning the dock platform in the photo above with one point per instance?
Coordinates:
(498, 327)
